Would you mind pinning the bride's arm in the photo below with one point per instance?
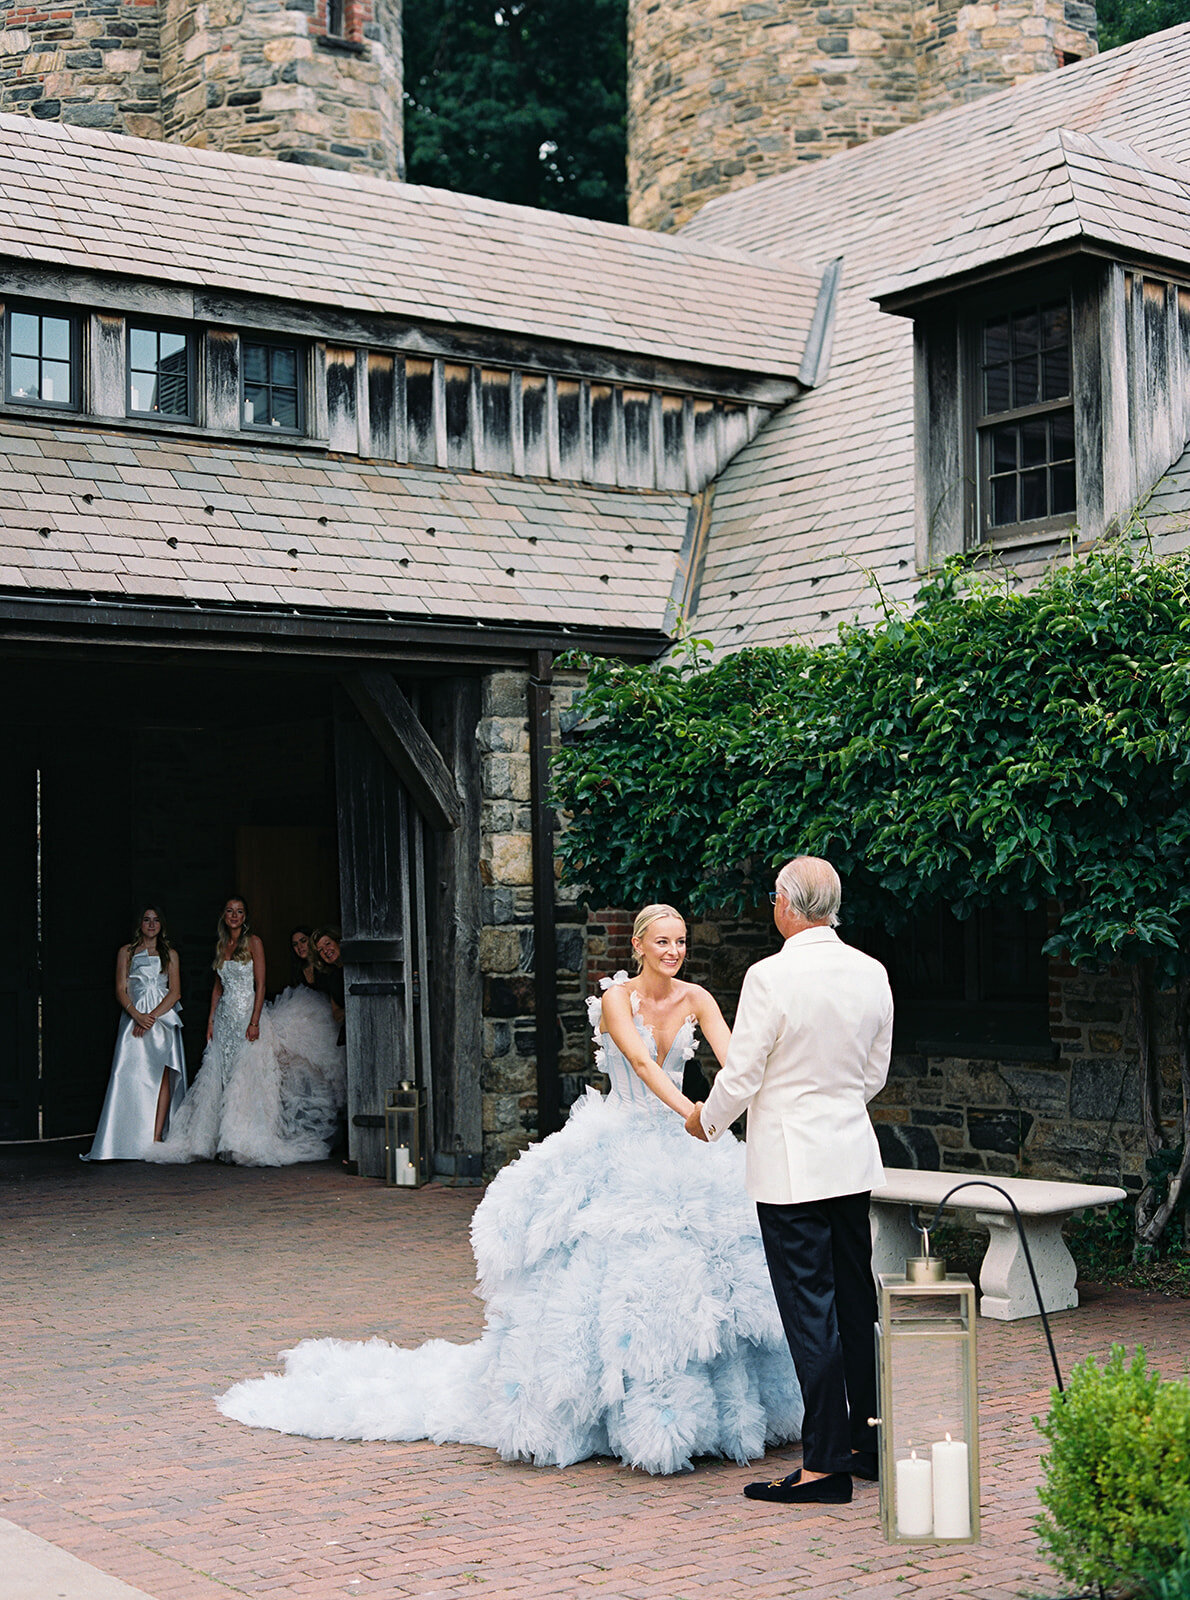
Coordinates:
(710, 1019)
(252, 1031)
(618, 1020)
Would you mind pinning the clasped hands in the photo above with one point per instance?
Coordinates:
(694, 1125)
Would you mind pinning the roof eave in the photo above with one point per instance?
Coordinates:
(912, 298)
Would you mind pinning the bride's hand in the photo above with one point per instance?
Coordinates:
(252, 1031)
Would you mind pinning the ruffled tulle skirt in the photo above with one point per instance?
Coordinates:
(629, 1313)
(283, 1098)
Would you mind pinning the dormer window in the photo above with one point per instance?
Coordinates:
(1025, 419)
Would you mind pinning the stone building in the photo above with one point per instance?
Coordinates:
(310, 478)
(720, 96)
(312, 81)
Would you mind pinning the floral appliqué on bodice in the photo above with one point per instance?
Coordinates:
(625, 1087)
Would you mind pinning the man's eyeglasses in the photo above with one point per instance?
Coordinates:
(774, 896)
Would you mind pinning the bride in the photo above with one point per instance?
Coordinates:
(628, 1306)
(272, 1083)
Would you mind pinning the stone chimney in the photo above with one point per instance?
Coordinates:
(722, 94)
(315, 81)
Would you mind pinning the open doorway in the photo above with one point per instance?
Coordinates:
(173, 784)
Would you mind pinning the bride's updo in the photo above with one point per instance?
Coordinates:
(646, 917)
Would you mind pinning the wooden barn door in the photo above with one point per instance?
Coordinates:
(374, 889)
(88, 816)
(19, 996)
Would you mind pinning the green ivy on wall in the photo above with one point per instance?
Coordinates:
(996, 742)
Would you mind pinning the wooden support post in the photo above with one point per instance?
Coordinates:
(373, 868)
(407, 746)
(455, 915)
(549, 1098)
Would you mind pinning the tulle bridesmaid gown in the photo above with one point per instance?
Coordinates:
(629, 1308)
(125, 1131)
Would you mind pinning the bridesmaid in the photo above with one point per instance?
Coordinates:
(303, 968)
(148, 1070)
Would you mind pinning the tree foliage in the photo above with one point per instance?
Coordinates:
(1121, 21)
(522, 102)
(991, 743)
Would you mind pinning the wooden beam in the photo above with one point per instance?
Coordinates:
(545, 944)
(407, 747)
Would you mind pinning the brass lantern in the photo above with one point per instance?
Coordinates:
(929, 1406)
(406, 1148)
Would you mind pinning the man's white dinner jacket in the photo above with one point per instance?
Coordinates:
(809, 1049)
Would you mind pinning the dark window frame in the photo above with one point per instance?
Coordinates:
(979, 425)
(153, 325)
(301, 378)
(74, 321)
(979, 1013)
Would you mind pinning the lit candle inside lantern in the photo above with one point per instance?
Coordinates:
(915, 1498)
(402, 1166)
(952, 1490)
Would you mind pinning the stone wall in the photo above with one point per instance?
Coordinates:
(1075, 1115)
(93, 63)
(507, 945)
(723, 94)
(261, 77)
(257, 77)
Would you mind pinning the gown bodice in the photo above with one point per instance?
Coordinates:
(239, 990)
(624, 1087)
(148, 986)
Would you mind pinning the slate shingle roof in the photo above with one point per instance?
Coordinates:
(823, 499)
(99, 201)
(133, 517)
(1077, 186)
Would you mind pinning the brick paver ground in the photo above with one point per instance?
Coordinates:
(135, 1293)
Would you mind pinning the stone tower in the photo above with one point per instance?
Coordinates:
(315, 81)
(724, 92)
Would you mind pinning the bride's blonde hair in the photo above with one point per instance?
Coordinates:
(645, 918)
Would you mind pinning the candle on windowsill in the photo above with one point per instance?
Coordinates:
(915, 1498)
(952, 1490)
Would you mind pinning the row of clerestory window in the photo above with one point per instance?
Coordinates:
(43, 367)
(376, 403)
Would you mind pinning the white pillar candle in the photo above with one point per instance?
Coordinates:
(915, 1498)
(402, 1167)
(952, 1490)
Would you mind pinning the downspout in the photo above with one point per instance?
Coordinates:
(545, 942)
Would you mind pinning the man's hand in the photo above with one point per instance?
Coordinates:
(694, 1125)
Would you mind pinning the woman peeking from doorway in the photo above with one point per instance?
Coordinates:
(148, 1076)
(273, 1079)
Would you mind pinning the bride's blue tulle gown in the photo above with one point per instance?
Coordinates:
(628, 1309)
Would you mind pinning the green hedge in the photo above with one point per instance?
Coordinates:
(1116, 1487)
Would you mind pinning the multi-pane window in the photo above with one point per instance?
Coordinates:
(1025, 416)
(160, 372)
(42, 365)
(272, 386)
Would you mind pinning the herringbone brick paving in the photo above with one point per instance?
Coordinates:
(135, 1293)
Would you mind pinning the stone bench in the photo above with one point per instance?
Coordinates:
(1006, 1290)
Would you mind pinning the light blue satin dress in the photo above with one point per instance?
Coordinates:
(125, 1131)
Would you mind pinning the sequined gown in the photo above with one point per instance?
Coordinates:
(268, 1102)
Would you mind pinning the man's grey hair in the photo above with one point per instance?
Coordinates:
(812, 888)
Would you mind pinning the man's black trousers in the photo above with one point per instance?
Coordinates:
(820, 1260)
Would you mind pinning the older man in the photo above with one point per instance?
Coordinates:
(809, 1049)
